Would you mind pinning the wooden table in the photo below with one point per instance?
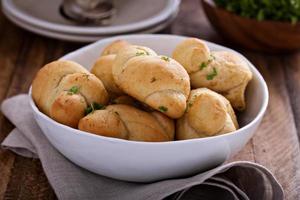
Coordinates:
(275, 145)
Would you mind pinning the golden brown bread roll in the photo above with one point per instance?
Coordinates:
(114, 47)
(103, 66)
(208, 114)
(158, 81)
(222, 71)
(191, 53)
(103, 70)
(127, 122)
(64, 89)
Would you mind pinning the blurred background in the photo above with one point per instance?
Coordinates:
(267, 26)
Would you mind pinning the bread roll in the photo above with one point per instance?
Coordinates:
(158, 81)
(103, 70)
(222, 71)
(114, 47)
(103, 66)
(191, 53)
(208, 114)
(127, 122)
(64, 89)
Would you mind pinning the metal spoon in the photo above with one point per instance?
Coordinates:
(97, 12)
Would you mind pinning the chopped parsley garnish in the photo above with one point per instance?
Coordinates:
(73, 90)
(92, 107)
(212, 74)
(277, 10)
(205, 64)
(188, 106)
(142, 53)
(165, 58)
(163, 108)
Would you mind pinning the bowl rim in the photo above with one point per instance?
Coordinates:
(68, 129)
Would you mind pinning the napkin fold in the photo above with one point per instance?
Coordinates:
(234, 181)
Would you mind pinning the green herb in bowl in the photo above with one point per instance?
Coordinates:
(278, 10)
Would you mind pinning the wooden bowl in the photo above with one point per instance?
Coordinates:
(266, 36)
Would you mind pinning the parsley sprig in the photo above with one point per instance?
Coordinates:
(142, 53)
(165, 58)
(206, 63)
(211, 75)
(92, 107)
(73, 90)
(162, 109)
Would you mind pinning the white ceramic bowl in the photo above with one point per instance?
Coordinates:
(44, 14)
(82, 38)
(149, 161)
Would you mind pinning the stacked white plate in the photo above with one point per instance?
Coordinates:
(132, 16)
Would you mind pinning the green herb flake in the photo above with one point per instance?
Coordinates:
(203, 65)
(92, 107)
(73, 90)
(140, 53)
(163, 108)
(212, 74)
(189, 105)
(165, 58)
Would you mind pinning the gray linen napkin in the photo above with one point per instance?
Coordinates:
(237, 180)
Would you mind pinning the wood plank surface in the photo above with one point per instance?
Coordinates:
(275, 144)
(10, 44)
(291, 66)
